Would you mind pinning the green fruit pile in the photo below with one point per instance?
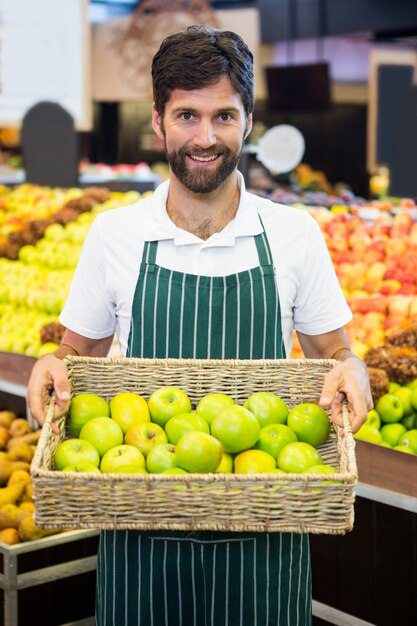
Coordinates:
(165, 435)
(393, 421)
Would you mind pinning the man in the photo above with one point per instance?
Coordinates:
(203, 269)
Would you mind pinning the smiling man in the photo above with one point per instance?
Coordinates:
(203, 269)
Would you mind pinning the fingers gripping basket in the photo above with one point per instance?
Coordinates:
(257, 502)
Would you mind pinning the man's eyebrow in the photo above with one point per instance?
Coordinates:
(226, 109)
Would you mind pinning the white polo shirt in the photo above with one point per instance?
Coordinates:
(101, 295)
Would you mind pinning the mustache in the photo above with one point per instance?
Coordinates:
(213, 150)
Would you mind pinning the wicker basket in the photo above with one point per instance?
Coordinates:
(227, 502)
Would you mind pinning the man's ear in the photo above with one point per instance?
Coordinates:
(157, 123)
(249, 124)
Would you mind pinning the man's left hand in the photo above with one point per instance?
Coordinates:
(348, 382)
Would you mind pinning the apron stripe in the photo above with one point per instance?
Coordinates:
(168, 325)
(223, 334)
(179, 584)
(151, 585)
(227, 579)
(196, 318)
(252, 305)
(180, 325)
(213, 593)
(265, 320)
(267, 557)
(126, 580)
(279, 586)
(139, 561)
(210, 311)
(193, 583)
(164, 569)
(289, 581)
(238, 335)
(255, 597)
(155, 314)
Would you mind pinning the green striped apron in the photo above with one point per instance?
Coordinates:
(204, 578)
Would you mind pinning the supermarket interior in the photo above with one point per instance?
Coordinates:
(333, 135)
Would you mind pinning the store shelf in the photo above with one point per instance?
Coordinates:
(14, 372)
(17, 573)
(387, 470)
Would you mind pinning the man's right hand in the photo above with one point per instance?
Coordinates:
(49, 373)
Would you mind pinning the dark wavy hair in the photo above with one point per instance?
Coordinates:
(199, 56)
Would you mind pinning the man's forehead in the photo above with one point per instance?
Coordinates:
(222, 91)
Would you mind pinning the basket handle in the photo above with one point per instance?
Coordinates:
(350, 441)
(347, 426)
(43, 439)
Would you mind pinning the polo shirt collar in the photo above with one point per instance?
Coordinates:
(158, 225)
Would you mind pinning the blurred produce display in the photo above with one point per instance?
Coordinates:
(41, 234)
(373, 246)
(17, 446)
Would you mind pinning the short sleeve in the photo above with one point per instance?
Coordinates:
(88, 310)
(320, 305)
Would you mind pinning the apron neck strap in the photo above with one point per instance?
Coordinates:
(149, 252)
(262, 246)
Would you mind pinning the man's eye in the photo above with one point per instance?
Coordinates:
(186, 116)
(225, 117)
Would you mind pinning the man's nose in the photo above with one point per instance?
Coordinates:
(205, 135)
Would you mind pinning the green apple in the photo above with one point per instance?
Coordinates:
(254, 462)
(389, 408)
(373, 419)
(145, 436)
(167, 402)
(160, 458)
(212, 404)
(274, 437)
(409, 439)
(391, 433)
(310, 423)
(177, 426)
(198, 452)
(236, 428)
(84, 407)
(298, 456)
(82, 467)
(129, 469)
(226, 464)
(74, 452)
(128, 409)
(410, 421)
(404, 395)
(412, 384)
(103, 432)
(413, 398)
(368, 433)
(321, 469)
(402, 448)
(267, 407)
(174, 470)
(393, 387)
(121, 456)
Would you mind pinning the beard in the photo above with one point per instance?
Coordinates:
(203, 180)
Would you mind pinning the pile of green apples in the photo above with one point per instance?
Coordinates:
(163, 434)
(393, 421)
